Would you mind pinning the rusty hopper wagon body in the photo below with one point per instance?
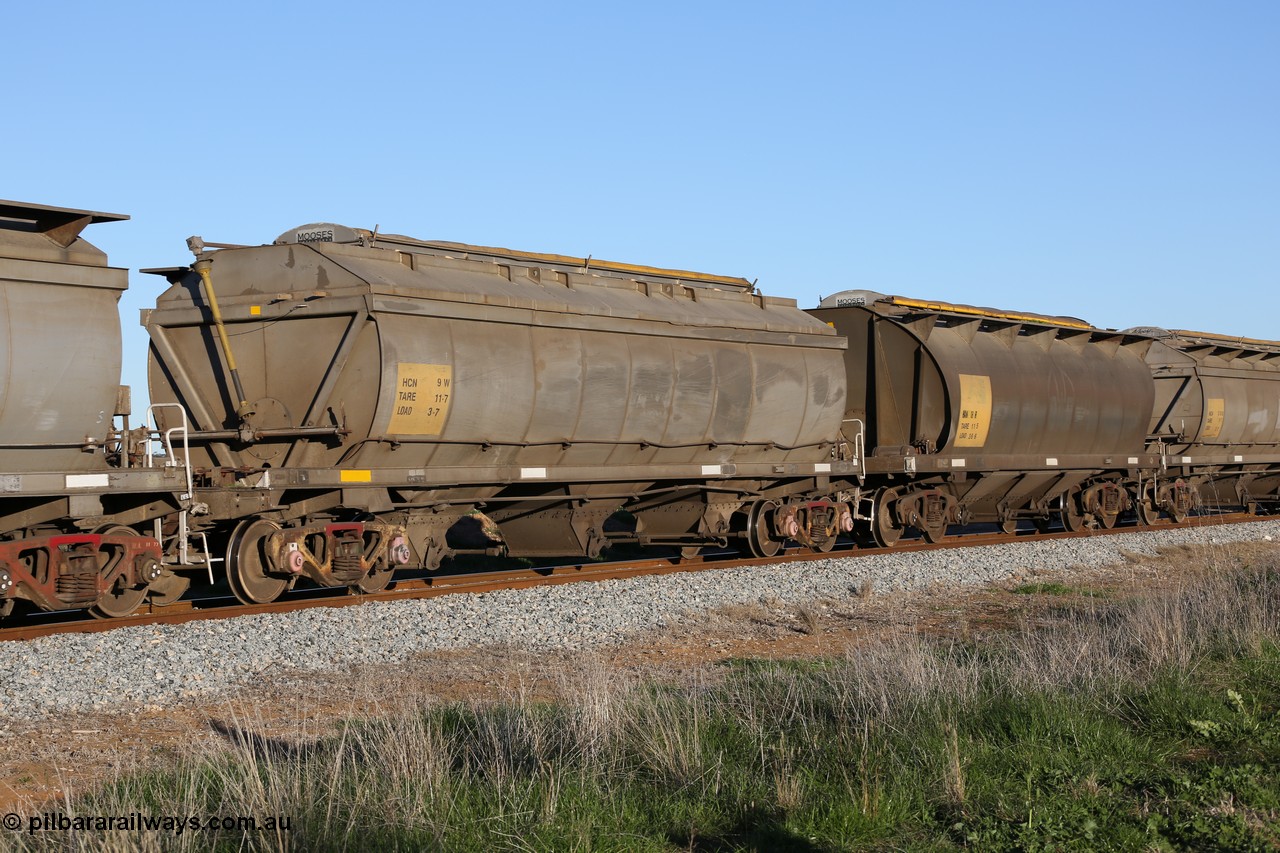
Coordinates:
(400, 400)
(72, 485)
(975, 415)
(340, 404)
(1216, 421)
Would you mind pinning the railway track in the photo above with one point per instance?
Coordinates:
(48, 624)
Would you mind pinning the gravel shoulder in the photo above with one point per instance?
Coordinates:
(78, 710)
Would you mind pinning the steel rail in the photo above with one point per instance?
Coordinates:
(480, 581)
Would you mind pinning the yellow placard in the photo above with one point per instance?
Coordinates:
(975, 410)
(1215, 412)
(420, 399)
(353, 475)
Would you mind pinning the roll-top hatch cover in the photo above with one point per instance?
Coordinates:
(1185, 339)
(902, 305)
(288, 272)
(327, 232)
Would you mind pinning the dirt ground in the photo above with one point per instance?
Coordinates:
(41, 762)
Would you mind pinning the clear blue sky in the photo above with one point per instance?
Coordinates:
(1118, 162)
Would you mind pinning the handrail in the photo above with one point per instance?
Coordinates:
(172, 462)
(170, 456)
(859, 444)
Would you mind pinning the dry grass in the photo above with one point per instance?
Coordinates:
(529, 771)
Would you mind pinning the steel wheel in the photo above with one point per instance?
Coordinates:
(1148, 513)
(825, 545)
(758, 529)
(119, 600)
(247, 566)
(885, 530)
(168, 588)
(1072, 519)
(1010, 526)
(378, 579)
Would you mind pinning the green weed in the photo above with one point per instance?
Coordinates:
(1152, 724)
